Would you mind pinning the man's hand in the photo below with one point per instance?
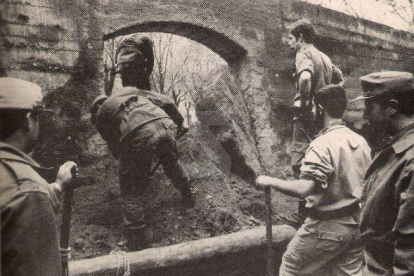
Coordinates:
(183, 129)
(65, 174)
(263, 181)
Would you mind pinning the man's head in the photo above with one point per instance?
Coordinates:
(389, 98)
(332, 99)
(301, 32)
(20, 104)
(135, 61)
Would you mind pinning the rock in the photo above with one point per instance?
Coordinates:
(236, 228)
(113, 194)
(201, 234)
(101, 235)
(79, 243)
(253, 221)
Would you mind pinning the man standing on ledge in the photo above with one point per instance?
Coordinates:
(29, 240)
(136, 124)
(328, 243)
(314, 70)
(387, 219)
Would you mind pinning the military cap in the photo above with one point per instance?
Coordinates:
(135, 49)
(98, 100)
(20, 94)
(379, 83)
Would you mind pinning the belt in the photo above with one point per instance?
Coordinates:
(334, 214)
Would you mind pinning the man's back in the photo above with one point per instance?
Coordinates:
(129, 109)
(29, 243)
(310, 59)
(390, 182)
(338, 159)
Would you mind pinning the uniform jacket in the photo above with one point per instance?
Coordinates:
(129, 109)
(322, 71)
(387, 221)
(29, 242)
(337, 161)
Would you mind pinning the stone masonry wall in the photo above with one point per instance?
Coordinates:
(58, 44)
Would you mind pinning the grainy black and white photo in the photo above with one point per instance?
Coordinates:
(207, 137)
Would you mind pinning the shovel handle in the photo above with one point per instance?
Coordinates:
(269, 242)
(65, 228)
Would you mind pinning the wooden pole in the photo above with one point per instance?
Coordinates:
(65, 230)
(269, 238)
(240, 253)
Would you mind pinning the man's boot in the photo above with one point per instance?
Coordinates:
(187, 199)
(296, 219)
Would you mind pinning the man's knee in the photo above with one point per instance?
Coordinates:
(133, 212)
(176, 173)
(291, 264)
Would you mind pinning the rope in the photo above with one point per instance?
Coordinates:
(65, 254)
(121, 259)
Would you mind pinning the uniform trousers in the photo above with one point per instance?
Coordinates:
(322, 248)
(151, 142)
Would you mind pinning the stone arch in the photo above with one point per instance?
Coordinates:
(228, 49)
(242, 60)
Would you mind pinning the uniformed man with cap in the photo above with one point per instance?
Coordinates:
(29, 241)
(137, 125)
(387, 219)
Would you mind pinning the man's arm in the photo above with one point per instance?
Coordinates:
(304, 71)
(63, 180)
(166, 104)
(337, 76)
(315, 171)
(298, 188)
(304, 86)
(404, 226)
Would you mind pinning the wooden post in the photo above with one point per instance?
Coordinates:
(66, 221)
(269, 241)
(65, 230)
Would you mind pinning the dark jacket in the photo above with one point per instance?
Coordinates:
(29, 241)
(130, 109)
(387, 218)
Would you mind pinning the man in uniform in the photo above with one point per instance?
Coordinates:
(314, 70)
(29, 241)
(328, 243)
(387, 218)
(136, 124)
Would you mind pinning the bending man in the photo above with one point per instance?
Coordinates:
(137, 126)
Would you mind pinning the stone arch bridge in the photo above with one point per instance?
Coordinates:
(59, 45)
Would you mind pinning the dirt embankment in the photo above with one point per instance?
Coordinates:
(225, 203)
(219, 154)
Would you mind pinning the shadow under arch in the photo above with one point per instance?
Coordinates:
(231, 51)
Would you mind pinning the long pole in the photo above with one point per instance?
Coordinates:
(268, 202)
(66, 220)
